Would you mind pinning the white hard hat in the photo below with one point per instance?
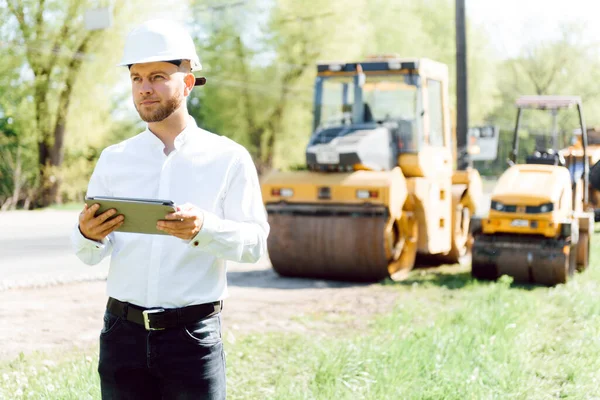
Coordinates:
(160, 40)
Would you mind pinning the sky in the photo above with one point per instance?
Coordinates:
(512, 23)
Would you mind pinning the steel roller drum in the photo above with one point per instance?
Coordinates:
(532, 260)
(344, 245)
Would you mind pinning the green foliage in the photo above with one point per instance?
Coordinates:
(18, 150)
(566, 66)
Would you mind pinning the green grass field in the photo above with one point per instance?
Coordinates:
(449, 338)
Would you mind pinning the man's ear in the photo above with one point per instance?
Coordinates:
(190, 81)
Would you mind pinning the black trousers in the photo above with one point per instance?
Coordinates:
(179, 363)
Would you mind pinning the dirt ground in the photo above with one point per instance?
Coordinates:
(70, 315)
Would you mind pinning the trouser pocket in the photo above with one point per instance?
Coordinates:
(111, 323)
(206, 332)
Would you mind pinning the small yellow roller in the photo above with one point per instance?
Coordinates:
(540, 220)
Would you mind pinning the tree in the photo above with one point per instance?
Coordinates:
(565, 65)
(17, 160)
(66, 77)
(54, 75)
(427, 29)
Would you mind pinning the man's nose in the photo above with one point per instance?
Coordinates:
(145, 87)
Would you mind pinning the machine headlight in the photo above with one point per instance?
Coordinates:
(497, 206)
(544, 208)
(285, 192)
(367, 194)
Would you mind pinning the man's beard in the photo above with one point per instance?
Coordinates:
(162, 112)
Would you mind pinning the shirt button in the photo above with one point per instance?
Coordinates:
(196, 243)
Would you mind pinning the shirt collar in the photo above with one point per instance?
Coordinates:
(180, 140)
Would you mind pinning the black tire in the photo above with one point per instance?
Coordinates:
(583, 251)
(595, 176)
(482, 266)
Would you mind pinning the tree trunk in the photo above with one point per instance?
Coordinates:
(17, 178)
(51, 159)
(49, 182)
(276, 117)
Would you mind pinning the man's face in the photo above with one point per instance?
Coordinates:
(158, 89)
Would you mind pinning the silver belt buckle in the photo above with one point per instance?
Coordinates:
(147, 321)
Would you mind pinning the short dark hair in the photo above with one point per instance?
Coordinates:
(175, 62)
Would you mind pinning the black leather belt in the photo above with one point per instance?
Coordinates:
(163, 318)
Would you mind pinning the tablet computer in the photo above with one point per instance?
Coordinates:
(141, 215)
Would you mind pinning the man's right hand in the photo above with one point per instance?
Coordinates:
(97, 228)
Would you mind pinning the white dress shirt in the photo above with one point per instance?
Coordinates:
(209, 171)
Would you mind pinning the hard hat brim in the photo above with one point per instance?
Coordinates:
(196, 66)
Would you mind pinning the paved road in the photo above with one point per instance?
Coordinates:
(35, 250)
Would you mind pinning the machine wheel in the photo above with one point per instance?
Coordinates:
(461, 219)
(484, 272)
(572, 260)
(405, 249)
(461, 241)
(583, 251)
(594, 176)
(483, 266)
(345, 247)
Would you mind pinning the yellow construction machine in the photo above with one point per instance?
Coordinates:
(540, 221)
(379, 184)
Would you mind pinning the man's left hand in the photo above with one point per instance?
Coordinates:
(185, 223)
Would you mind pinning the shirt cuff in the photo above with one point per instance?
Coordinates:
(84, 242)
(210, 226)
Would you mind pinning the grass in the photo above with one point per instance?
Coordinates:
(454, 338)
(50, 376)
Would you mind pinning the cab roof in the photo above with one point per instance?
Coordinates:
(369, 65)
(386, 63)
(548, 102)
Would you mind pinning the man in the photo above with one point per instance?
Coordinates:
(162, 328)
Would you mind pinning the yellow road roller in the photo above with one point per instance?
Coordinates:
(379, 185)
(540, 222)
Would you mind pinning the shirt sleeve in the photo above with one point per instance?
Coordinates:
(90, 251)
(241, 235)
